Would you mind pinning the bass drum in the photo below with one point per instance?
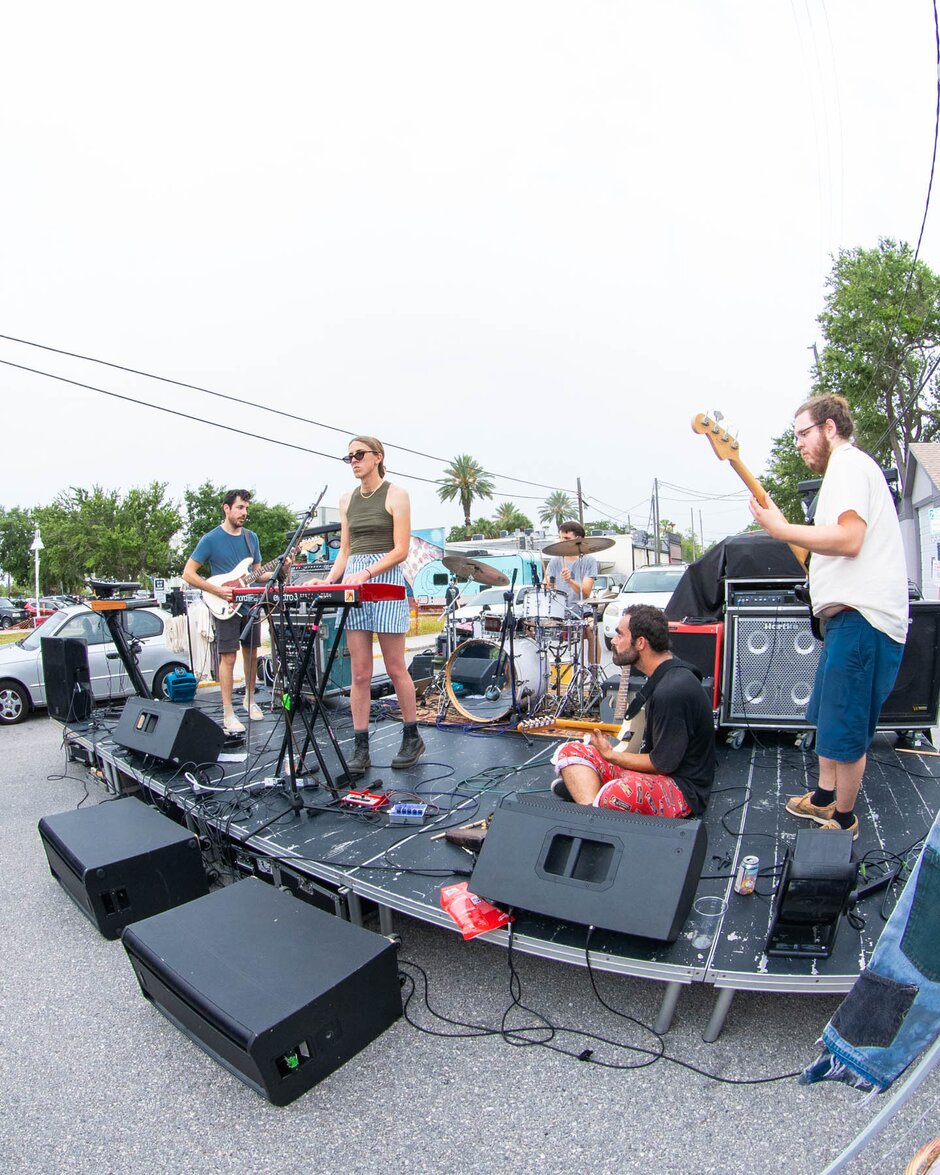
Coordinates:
(478, 683)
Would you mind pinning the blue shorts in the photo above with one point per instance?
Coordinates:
(857, 669)
(386, 615)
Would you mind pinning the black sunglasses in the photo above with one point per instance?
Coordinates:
(357, 456)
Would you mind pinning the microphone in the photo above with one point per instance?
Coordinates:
(492, 693)
(535, 577)
(551, 581)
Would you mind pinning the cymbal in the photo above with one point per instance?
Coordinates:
(586, 546)
(474, 569)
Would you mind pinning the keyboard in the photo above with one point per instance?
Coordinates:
(325, 595)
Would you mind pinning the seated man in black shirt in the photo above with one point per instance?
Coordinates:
(672, 772)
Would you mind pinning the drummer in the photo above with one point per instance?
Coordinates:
(575, 575)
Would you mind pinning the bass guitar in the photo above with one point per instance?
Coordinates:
(241, 576)
(726, 447)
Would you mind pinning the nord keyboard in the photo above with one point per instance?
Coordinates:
(325, 595)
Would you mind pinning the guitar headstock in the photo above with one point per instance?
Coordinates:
(709, 425)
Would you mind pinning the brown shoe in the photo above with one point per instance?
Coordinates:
(835, 826)
(802, 806)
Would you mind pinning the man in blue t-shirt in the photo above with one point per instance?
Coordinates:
(231, 547)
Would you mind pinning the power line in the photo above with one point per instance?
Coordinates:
(249, 404)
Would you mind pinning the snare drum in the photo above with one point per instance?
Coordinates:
(548, 605)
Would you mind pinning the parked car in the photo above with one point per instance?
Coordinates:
(606, 586)
(491, 600)
(23, 689)
(11, 613)
(647, 585)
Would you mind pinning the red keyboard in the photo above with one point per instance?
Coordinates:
(327, 595)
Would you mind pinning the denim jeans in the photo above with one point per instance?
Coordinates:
(893, 1012)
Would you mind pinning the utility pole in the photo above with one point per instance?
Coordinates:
(692, 530)
(656, 518)
(580, 504)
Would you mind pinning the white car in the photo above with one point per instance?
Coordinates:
(491, 600)
(22, 687)
(647, 585)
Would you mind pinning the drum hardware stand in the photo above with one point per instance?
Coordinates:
(507, 629)
(585, 689)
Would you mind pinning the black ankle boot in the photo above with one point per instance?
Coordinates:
(360, 762)
(411, 749)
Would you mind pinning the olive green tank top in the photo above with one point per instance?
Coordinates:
(371, 527)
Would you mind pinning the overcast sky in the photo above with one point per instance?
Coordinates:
(545, 234)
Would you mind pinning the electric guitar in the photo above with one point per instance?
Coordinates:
(612, 719)
(726, 448)
(241, 576)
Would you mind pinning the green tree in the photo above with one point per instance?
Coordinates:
(510, 517)
(16, 536)
(558, 508)
(881, 325)
(464, 479)
(463, 534)
(97, 532)
(272, 525)
(607, 524)
(202, 512)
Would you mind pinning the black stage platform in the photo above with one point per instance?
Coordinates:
(338, 858)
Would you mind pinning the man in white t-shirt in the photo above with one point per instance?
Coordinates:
(858, 583)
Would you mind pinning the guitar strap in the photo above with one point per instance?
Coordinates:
(646, 692)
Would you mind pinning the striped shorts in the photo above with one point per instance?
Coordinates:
(386, 615)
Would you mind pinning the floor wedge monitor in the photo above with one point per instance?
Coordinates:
(122, 861)
(167, 731)
(278, 992)
(616, 870)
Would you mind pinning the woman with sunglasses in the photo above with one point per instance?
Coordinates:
(376, 531)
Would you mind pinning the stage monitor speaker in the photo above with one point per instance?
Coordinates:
(700, 645)
(173, 733)
(913, 703)
(616, 870)
(122, 861)
(68, 681)
(812, 895)
(770, 667)
(276, 991)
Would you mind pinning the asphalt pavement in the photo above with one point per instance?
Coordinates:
(95, 1080)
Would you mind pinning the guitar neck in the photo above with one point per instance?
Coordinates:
(623, 695)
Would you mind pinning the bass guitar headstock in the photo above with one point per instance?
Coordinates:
(709, 425)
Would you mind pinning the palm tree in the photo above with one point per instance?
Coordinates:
(556, 508)
(510, 517)
(465, 479)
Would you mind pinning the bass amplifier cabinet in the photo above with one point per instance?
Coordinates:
(616, 870)
(914, 702)
(173, 733)
(122, 861)
(68, 681)
(701, 646)
(769, 667)
(278, 992)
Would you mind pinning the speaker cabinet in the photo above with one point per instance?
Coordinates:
(175, 734)
(68, 682)
(620, 871)
(812, 895)
(770, 667)
(700, 645)
(276, 991)
(122, 861)
(913, 703)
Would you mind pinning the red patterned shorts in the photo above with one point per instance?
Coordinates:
(626, 791)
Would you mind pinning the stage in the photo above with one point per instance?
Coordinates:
(355, 863)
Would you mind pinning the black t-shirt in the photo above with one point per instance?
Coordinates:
(451, 594)
(680, 734)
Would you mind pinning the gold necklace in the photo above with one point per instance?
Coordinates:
(363, 494)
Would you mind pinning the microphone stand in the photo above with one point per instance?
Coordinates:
(508, 627)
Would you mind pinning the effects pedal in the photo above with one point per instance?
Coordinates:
(367, 800)
(407, 813)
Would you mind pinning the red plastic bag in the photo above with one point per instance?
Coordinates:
(474, 915)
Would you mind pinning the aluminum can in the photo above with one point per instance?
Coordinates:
(746, 878)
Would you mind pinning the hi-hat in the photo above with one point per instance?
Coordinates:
(474, 569)
(586, 546)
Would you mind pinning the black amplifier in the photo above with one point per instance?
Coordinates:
(779, 597)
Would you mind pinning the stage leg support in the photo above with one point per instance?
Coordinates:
(667, 1008)
(386, 926)
(719, 1012)
(355, 908)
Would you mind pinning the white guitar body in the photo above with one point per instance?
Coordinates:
(237, 577)
(630, 734)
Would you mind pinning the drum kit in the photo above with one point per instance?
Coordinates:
(526, 663)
